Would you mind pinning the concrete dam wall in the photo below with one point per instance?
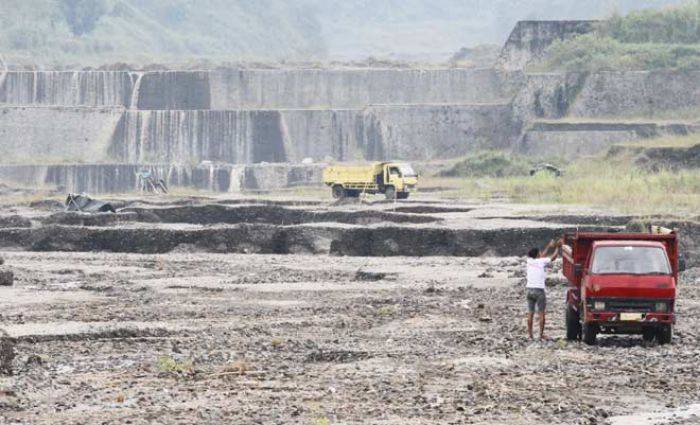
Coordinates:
(67, 88)
(256, 89)
(60, 134)
(100, 127)
(238, 117)
(253, 136)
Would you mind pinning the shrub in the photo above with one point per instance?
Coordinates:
(489, 164)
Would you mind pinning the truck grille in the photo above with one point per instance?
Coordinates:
(643, 306)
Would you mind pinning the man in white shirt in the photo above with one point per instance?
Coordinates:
(536, 274)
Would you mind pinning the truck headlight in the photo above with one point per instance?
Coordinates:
(599, 305)
(661, 307)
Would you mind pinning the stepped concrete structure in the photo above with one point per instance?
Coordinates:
(193, 127)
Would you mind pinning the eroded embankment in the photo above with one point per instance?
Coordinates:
(389, 240)
(408, 229)
(220, 214)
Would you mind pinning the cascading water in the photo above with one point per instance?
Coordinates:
(3, 74)
(236, 179)
(133, 103)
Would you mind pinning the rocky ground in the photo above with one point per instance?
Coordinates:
(317, 338)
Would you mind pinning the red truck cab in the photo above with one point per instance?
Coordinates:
(621, 283)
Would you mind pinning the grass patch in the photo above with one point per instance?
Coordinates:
(386, 311)
(611, 183)
(665, 142)
(598, 52)
(167, 364)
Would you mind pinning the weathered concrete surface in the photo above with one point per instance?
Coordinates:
(573, 140)
(255, 88)
(46, 134)
(67, 88)
(547, 95)
(93, 135)
(375, 133)
(529, 40)
(606, 94)
(355, 88)
(640, 93)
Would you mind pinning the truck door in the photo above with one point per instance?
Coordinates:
(394, 175)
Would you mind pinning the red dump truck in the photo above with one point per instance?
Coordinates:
(621, 283)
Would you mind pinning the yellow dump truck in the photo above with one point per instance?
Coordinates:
(394, 179)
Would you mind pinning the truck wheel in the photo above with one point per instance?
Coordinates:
(338, 191)
(589, 333)
(402, 195)
(648, 334)
(573, 326)
(390, 192)
(664, 334)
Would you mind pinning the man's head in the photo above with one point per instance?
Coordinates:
(533, 253)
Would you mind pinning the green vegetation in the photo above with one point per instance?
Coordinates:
(614, 183)
(169, 365)
(490, 164)
(667, 38)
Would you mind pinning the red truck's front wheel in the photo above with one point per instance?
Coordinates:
(664, 334)
(589, 333)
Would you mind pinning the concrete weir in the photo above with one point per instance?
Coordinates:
(122, 178)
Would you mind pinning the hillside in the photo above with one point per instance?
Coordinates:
(97, 31)
(665, 38)
(92, 32)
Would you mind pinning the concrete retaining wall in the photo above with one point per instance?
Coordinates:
(122, 178)
(607, 94)
(573, 140)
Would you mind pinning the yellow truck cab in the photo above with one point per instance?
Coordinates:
(394, 179)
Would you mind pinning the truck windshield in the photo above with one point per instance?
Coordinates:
(407, 170)
(630, 260)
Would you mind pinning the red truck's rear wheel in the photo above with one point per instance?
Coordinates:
(573, 326)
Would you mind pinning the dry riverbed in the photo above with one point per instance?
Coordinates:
(317, 338)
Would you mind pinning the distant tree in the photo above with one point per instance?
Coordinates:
(82, 15)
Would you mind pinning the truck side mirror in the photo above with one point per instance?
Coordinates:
(681, 263)
(578, 270)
